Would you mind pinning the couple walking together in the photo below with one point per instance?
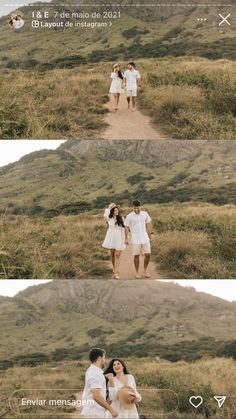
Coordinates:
(138, 223)
(109, 394)
(129, 80)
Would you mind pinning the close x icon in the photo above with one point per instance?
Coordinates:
(225, 19)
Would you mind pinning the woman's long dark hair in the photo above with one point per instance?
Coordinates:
(119, 219)
(120, 75)
(110, 369)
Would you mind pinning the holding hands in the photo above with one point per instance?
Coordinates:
(113, 413)
(110, 378)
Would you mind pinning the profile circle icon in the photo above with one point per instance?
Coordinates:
(16, 22)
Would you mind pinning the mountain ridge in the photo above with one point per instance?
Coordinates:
(161, 152)
(140, 32)
(154, 314)
(61, 289)
(87, 174)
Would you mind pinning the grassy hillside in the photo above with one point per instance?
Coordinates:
(53, 326)
(65, 74)
(52, 207)
(61, 320)
(187, 98)
(82, 176)
(140, 32)
(191, 241)
(152, 376)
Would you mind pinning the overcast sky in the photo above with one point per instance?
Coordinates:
(13, 150)
(9, 6)
(225, 289)
(11, 287)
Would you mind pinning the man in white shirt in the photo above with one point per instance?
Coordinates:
(139, 223)
(94, 395)
(132, 79)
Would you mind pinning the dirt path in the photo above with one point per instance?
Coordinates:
(127, 270)
(127, 125)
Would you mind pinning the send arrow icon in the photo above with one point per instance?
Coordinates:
(220, 400)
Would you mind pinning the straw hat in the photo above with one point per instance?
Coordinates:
(112, 206)
(115, 65)
(126, 397)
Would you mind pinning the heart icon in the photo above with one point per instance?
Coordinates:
(196, 401)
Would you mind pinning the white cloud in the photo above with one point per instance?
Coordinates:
(13, 150)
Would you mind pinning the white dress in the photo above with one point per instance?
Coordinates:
(117, 406)
(115, 236)
(116, 84)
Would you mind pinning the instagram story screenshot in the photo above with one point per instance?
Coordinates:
(117, 209)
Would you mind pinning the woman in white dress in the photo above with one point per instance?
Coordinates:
(116, 84)
(118, 377)
(115, 236)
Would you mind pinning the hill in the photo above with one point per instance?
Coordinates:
(48, 330)
(62, 75)
(51, 206)
(81, 176)
(62, 320)
(140, 32)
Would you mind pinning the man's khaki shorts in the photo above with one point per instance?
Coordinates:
(132, 93)
(140, 249)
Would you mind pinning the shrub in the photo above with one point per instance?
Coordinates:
(134, 31)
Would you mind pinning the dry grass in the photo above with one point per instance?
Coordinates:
(191, 241)
(63, 247)
(196, 241)
(190, 255)
(187, 98)
(207, 377)
(192, 99)
(56, 104)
